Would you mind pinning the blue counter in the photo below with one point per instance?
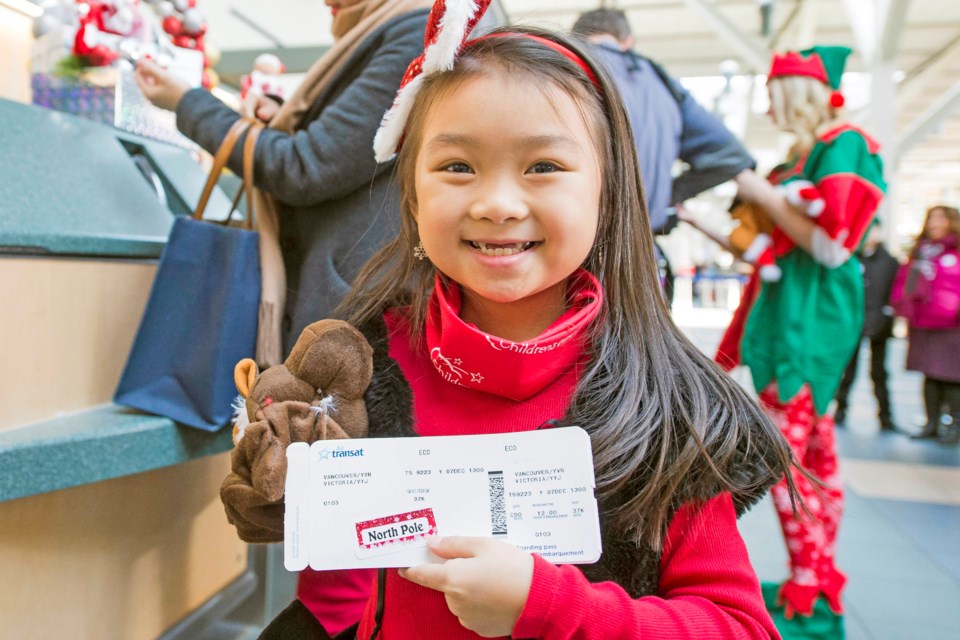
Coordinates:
(97, 444)
(72, 187)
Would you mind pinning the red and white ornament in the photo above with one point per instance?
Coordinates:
(265, 78)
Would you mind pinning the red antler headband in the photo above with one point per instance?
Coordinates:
(449, 24)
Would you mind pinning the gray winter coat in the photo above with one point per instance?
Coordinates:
(340, 206)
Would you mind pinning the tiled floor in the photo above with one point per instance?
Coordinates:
(900, 537)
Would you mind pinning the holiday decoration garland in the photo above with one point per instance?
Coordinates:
(106, 31)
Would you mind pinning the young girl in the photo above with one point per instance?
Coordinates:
(927, 294)
(798, 333)
(521, 294)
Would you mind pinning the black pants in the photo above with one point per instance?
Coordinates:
(940, 394)
(878, 374)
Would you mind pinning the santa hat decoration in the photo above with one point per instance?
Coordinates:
(448, 26)
(822, 63)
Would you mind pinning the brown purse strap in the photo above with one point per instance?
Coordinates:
(249, 149)
(246, 187)
(220, 161)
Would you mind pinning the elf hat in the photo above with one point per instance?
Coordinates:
(448, 26)
(821, 63)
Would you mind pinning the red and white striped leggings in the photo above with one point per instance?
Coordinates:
(811, 539)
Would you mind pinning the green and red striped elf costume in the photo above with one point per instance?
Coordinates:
(798, 333)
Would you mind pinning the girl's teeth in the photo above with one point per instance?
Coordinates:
(502, 250)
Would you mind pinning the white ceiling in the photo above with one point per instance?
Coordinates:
(292, 23)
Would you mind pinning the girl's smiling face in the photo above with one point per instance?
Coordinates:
(507, 190)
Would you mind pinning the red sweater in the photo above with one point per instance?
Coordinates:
(708, 588)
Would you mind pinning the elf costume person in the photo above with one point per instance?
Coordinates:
(797, 334)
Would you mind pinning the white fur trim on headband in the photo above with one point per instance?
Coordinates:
(452, 31)
(440, 55)
(394, 122)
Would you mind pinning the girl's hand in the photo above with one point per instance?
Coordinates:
(485, 582)
(160, 87)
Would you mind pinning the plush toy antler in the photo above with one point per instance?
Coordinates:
(448, 27)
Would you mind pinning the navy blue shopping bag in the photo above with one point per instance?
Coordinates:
(201, 317)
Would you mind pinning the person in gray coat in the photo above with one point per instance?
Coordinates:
(338, 205)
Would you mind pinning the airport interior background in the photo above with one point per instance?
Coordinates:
(110, 521)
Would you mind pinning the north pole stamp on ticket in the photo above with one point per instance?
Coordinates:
(390, 533)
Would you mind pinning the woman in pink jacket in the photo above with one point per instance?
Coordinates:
(927, 293)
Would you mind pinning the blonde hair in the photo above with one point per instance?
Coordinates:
(801, 106)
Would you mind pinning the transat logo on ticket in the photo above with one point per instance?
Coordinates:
(339, 452)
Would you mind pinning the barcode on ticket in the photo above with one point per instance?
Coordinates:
(498, 507)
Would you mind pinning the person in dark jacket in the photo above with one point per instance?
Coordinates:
(668, 124)
(879, 269)
(336, 205)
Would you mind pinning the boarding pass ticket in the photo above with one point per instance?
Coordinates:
(371, 503)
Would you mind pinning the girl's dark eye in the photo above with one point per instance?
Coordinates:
(543, 167)
(458, 167)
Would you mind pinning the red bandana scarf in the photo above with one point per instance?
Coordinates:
(466, 356)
